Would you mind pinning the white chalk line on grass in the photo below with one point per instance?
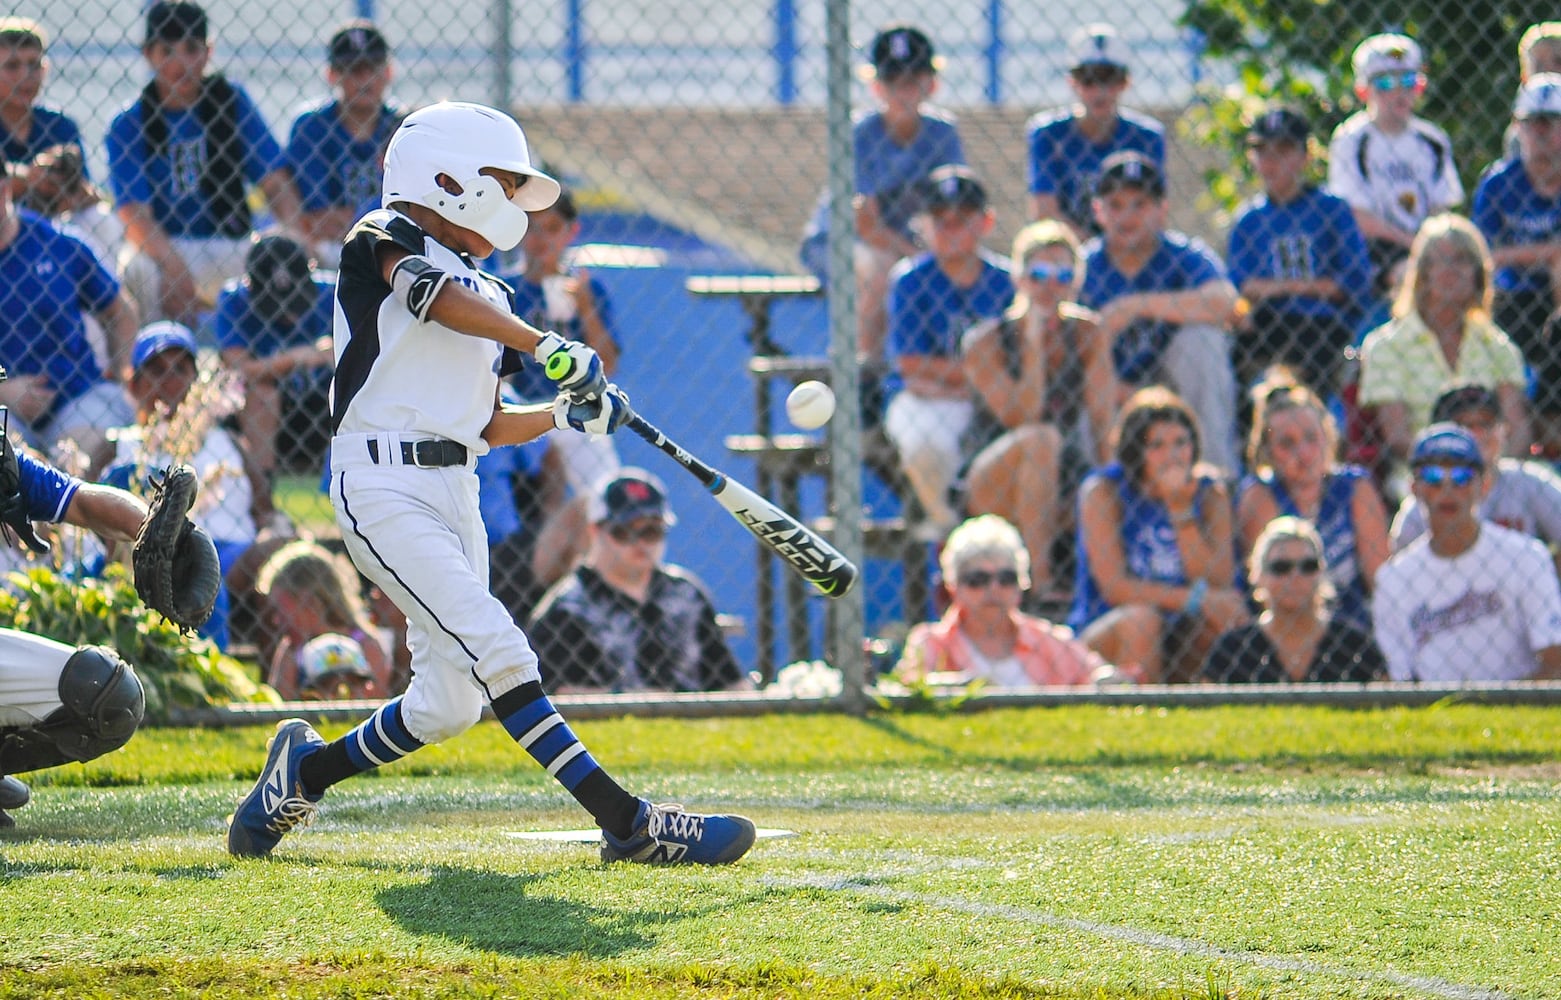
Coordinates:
(863, 885)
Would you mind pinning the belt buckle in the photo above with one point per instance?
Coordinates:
(417, 458)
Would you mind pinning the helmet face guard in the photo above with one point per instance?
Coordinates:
(460, 140)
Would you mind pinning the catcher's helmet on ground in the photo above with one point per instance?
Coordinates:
(461, 139)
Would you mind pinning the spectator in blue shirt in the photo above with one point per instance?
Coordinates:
(25, 128)
(1517, 207)
(59, 388)
(896, 146)
(1164, 300)
(1298, 258)
(333, 151)
(273, 327)
(934, 299)
(180, 161)
(1067, 145)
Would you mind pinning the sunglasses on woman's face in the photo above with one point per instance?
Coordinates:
(1386, 83)
(1051, 272)
(1442, 475)
(980, 579)
(1284, 567)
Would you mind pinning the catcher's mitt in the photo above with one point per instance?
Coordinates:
(175, 563)
(13, 506)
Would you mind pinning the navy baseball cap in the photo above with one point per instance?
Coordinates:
(955, 185)
(1446, 444)
(280, 278)
(175, 21)
(357, 43)
(901, 49)
(155, 338)
(1127, 169)
(629, 495)
(1279, 123)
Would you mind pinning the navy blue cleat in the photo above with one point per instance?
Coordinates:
(667, 835)
(278, 802)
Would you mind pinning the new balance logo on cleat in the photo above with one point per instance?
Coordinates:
(669, 835)
(273, 788)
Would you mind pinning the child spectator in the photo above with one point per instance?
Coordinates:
(933, 299)
(1469, 601)
(896, 146)
(335, 667)
(1393, 167)
(180, 159)
(1069, 145)
(25, 128)
(1539, 51)
(59, 190)
(1163, 299)
(333, 150)
(311, 592)
(1298, 259)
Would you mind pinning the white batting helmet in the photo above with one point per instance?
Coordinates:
(460, 139)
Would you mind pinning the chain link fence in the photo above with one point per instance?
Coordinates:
(1031, 327)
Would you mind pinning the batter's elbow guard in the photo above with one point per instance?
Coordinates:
(418, 280)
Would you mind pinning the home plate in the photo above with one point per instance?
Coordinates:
(594, 836)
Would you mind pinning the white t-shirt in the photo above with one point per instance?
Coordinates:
(1401, 178)
(1005, 672)
(223, 504)
(1479, 616)
(1525, 497)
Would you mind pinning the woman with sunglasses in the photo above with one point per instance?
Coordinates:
(1294, 640)
(1292, 452)
(1156, 569)
(1043, 379)
(984, 634)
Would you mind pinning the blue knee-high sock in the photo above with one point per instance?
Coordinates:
(377, 740)
(532, 721)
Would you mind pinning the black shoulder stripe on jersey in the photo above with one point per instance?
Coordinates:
(1360, 156)
(361, 288)
(406, 234)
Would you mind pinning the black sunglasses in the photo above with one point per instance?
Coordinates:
(1099, 76)
(1284, 567)
(979, 579)
(623, 534)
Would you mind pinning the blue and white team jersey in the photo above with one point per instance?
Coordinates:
(46, 491)
(1335, 523)
(47, 280)
(530, 382)
(892, 173)
(1148, 537)
(331, 168)
(1312, 237)
(50, 128)
(1065, 163)
(1509, 212)
(929, 314)
(1179, 264)
(171, 183)
(237, 324)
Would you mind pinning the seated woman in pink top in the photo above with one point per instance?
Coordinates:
(984, 634)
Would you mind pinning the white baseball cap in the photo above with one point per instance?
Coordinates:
(1385, 54)
(1541, 95)
(1097, 45)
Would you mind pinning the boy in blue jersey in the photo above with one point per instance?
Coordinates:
(25, 128)
(1517, 207)
(59, 388)
(1067, 145)
(1298, 258)
(180, 161)
(1164, 300)
(896, 147)
(934, 298)
(334, 148)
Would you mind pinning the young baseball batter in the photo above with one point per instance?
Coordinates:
(422, 337)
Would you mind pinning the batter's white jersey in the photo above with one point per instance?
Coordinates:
(394, 373)
(1401, 178)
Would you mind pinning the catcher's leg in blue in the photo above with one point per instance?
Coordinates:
(279, 802)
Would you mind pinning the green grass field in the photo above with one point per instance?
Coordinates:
(1089, 852)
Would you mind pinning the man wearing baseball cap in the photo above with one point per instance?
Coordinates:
(625, 620)
(1523, 496)
(1470, 600)
(1517, 207)
(1394, 168)
(1068, 145)
(334, 149)
(1298, 259)
(1164, 300)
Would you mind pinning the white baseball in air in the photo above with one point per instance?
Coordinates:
(810, 405)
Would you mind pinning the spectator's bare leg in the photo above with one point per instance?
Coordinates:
(1129, 636)
(1016, 478)
(260, 421)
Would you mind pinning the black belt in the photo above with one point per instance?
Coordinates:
(429, 453)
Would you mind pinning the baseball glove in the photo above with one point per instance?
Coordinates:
(175, 562)
(13, 506)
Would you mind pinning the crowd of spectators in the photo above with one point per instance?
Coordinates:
(1066, 418)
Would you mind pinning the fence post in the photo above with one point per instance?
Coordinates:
(503, 56)
(574, 50)
(785, 52)
(994, 51)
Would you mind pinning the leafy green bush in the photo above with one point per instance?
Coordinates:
(177, 671)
